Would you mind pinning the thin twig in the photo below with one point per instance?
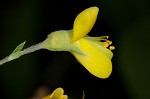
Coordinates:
(31, 49)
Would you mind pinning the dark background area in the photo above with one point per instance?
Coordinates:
(127, 22)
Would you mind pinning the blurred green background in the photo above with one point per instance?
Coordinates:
(127, 22)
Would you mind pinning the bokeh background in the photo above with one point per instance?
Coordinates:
(127, 22)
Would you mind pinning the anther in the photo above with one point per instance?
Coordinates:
(106, 44)
(111, 47)
(109, 42)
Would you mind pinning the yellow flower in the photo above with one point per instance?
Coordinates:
(97, 58)
(57, 94)
(84, 23)
(92, 52)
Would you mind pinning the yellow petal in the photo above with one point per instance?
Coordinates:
(105, 50)
(57, 93)
(63, 97)
(84, 23)
(99, 45)
(95, 61)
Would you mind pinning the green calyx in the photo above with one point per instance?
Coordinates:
(61, 41)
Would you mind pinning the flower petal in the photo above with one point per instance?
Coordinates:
(63, 97)
(95, 61)
(57, 93)
(84, 23)
(99, 45)
(105, 50)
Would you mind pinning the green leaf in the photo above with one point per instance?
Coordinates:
(19, 47)
(15, 55)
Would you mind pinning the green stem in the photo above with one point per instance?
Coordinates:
(32, 48)
(4, 60)
(28, 50)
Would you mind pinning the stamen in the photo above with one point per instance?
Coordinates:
(111, 47)
(103, 40)
(104, 37)
(106, 44)
(109, 42)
